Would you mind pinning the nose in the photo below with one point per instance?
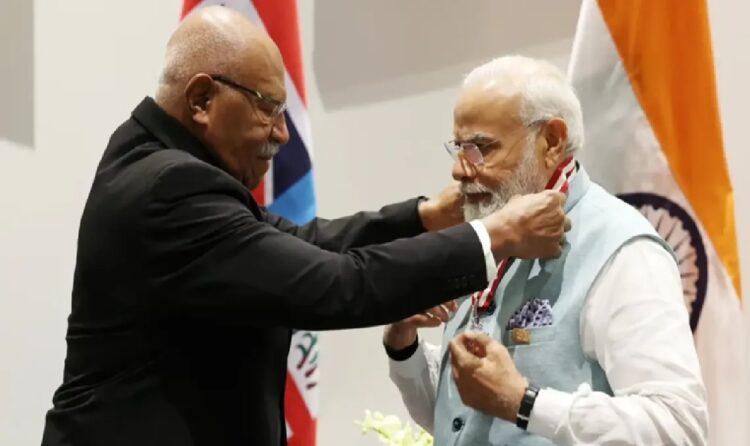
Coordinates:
(280, 131)
(463, 170)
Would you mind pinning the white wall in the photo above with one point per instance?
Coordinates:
(381, 76)
(94, 60)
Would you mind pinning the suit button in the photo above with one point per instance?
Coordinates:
(457, 424)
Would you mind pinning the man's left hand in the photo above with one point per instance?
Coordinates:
(485, 375)
(443, 211)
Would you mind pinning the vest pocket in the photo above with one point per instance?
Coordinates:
(528, 337)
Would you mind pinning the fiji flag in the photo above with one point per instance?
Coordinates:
(288, 191)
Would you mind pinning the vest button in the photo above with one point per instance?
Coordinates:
(457, 424)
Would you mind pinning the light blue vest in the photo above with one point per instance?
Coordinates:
(554, 357)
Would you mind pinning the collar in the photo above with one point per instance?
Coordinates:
(579, 185)
(170, 131)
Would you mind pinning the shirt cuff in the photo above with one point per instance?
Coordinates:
(551, 408)
(404, 353)
(484, 239)
(412, 367)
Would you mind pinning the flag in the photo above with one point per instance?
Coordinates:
(288, 191)
(643, 70)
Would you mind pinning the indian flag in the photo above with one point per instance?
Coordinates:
(643, 70)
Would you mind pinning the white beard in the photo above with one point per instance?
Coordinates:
(527, 179)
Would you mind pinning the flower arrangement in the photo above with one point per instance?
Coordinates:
(391, 432)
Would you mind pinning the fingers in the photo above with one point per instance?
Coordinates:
(475, 343)
(424, 321)
(440, 312)
(557, 252)
(434, 316)
(452, 306)
(559, 218)
(484, 346)
(477, 349)
(461, 358)
(558, 198)
(476, 337)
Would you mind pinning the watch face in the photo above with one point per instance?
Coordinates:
(677, 227)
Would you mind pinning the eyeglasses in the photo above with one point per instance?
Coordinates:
(473, 151)
(275, 108)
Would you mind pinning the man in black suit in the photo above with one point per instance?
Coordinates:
(185, 289)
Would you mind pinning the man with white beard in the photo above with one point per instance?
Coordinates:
(591, 348)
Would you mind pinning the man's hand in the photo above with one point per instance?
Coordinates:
(485, 375)
(443, 211)
(529, 226)
(402, 334)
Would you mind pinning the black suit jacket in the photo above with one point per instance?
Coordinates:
(185, 291)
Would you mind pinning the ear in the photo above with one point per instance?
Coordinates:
(556, 135)
(199, 94)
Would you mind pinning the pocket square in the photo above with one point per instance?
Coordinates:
(532, 314)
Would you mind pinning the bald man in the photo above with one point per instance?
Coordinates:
(186, 290)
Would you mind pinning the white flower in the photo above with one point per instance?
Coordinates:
(391, 433)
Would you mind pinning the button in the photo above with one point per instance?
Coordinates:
(457, 424)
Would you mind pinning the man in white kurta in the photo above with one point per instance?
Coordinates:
(592, 348)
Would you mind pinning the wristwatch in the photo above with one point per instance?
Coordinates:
(527, 403)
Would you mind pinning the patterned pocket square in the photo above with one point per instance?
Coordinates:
(532, 314)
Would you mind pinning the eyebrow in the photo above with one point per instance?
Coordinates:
(477, 137)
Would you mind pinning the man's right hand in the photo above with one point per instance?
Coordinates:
(529, 226)
(399, 335)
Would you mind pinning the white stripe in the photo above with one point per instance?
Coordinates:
(483, 297)
(560, 182)
(565, 176)
(268, 186)
(569, 170)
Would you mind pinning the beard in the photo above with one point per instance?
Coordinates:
(526, 179)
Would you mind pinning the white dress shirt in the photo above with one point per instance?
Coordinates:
(635, 325)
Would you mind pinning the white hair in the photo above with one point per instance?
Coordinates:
(544, 90)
